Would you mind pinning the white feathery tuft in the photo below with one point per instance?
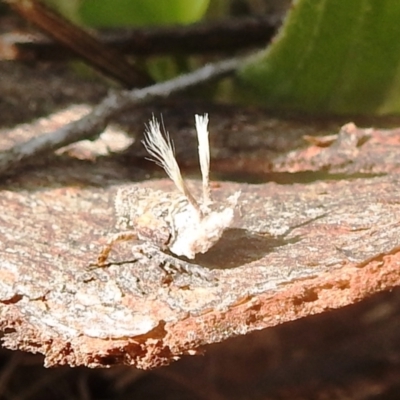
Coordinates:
(161, 148)
(204, 155)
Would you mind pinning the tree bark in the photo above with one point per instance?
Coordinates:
(295, 251)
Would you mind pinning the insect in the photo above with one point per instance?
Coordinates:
(174, 222)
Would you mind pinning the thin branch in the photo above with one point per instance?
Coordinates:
(94, 123)
(205, 37)
(101, 56)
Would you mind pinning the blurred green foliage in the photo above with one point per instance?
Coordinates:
(331, 56)
(117, 13)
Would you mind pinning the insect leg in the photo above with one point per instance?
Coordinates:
(173, 264)
(117, 237)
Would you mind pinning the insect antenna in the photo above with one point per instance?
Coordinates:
(161, 148)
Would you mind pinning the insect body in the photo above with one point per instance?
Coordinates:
(172, 221)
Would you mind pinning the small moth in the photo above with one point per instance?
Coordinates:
(175, 222)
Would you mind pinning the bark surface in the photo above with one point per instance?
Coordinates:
(296, 250)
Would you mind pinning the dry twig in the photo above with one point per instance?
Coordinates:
(221, 36)
(98, 54)
(94, 123)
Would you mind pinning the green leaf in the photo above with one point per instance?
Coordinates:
(141, 12)
(69, 9)
(332, 56)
